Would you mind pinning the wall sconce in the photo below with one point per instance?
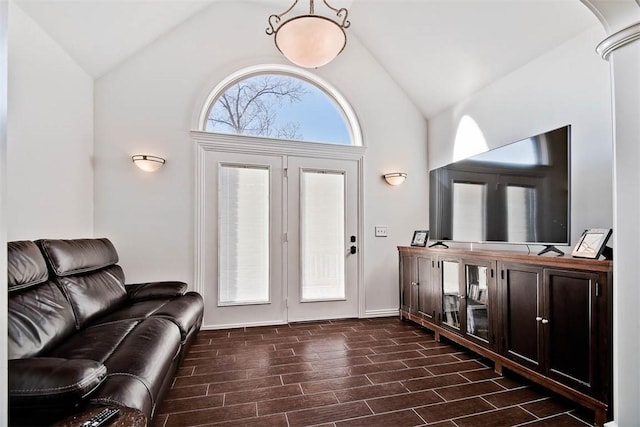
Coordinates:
(148, 163)
(395, 178)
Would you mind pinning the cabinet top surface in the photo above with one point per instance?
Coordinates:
(566, 261)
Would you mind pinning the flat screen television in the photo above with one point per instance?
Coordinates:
(517, 193)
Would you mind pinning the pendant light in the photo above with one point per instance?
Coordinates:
(310, 40)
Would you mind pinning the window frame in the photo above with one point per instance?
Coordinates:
(349, 115)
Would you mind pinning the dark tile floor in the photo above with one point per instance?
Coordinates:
(360, 372)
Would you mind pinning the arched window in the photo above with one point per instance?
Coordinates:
(280, 102)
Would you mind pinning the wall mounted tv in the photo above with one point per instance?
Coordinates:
(517, 193)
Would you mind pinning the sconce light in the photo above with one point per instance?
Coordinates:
(395, 178)
(148, 163)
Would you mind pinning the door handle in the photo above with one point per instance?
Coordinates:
(353, 249)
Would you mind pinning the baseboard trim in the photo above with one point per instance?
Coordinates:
(241, 325)
(382, 313)
(368, 314)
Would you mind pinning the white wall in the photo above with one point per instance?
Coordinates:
(4, 401)
(568, 85)
(150, 103)
(622, 20)
(49, 137)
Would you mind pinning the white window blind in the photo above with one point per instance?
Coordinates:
(322, 230)
(243, 197)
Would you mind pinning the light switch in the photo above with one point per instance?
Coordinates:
(382, 231)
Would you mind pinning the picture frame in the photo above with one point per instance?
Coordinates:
(420, 238)
(591, 243)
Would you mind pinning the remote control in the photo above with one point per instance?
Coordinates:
(101, 417)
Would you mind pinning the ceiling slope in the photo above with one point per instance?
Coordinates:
(438, 51)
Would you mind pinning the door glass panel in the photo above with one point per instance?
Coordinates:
(520, 214)
(243, 200)
(468, 197)
(322, 235)
(451, 294)
(477, 301)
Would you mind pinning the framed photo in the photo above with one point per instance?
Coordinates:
(591, 243)
(420, 238)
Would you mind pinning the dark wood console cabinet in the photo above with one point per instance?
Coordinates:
(546, 318)
(418, 295)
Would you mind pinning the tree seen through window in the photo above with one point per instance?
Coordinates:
(278, 106)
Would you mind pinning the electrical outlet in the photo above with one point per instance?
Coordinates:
(382, 231)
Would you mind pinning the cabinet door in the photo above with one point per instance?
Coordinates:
(407, 282)
(479, 287)
(521, 296)
(451, 291)
(570, 322)
(427, 293)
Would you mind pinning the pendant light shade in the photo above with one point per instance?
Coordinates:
(310, 40)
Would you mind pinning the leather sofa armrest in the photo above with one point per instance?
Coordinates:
(142, 291)
(51, 382)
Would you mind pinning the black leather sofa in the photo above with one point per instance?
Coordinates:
(78, 336)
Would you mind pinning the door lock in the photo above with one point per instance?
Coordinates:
(353, 250)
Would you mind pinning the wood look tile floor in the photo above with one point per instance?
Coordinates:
(358, 372)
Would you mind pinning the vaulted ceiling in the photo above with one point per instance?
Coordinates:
(438, 51)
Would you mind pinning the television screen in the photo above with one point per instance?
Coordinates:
(517, 193)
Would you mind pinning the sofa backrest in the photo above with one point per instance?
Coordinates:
(39, 315)
(86, 271)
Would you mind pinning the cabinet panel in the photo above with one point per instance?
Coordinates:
(427, 295)
(407, 268)
(521, 291)
(570, 333)
(417, 293)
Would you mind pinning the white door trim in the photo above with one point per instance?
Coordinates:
(205, 141)
(269, 146)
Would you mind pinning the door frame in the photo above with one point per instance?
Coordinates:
(241, 144)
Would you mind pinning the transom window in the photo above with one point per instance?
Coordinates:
(278, 104)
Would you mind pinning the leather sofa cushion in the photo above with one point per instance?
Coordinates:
(142, 291)
(124, 390)
(96, 342)
(68, 257)
(94, 294)
(39, 318)
(25, 265)
(138, 355)
(52, 382)
(148, 354)
(185, 311)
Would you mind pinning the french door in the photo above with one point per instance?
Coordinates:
(241, 266)
(322, 239)
(278, 238)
